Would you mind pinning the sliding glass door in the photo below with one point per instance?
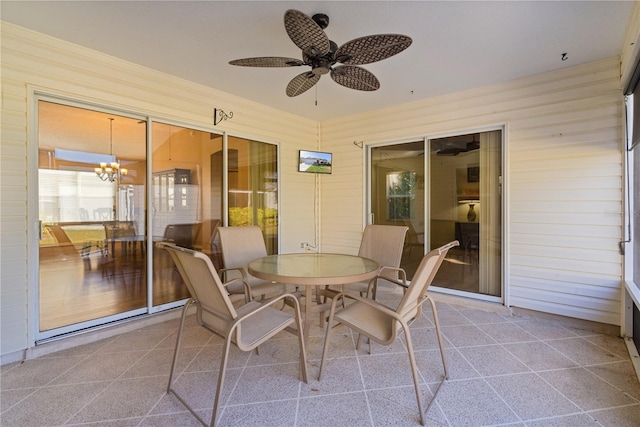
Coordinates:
(452, 193)
(104, 202)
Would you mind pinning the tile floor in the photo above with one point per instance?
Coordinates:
(503, 371)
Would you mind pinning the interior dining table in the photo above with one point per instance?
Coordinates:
(310, 270)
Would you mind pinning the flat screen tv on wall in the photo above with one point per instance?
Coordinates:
(314, 162)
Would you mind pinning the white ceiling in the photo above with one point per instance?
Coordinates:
(457, 45)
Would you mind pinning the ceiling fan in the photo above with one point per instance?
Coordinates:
(322, 54)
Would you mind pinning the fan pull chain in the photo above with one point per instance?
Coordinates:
(316, 95)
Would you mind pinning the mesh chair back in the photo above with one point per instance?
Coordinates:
(215, 310)
(240, 246)
(383, 244)
(411, 304)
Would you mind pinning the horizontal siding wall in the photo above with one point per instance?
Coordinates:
(31, 60)
(563, 175)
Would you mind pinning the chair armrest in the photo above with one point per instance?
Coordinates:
(263, 304)
(223, 272)
(372, 303)
(400, 282)
(247, 289)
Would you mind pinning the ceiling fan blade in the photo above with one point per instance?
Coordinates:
(368, 49)
(267, 61)
(305, 33)
(355, 78)
(302, 83)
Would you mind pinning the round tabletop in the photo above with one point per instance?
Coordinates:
(314, 268)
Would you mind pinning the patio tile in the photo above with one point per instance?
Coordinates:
(578, 385)
(336, 410)
(266, 383)
(574, 420)
(398, 406)
(339, 376)
(123, 399)
(539, 356)
(376, 372)
(627, 416)
(55, 404)
(583, 352)
(466, 335)
(615, 345)
(531, 397)
(506, 332)
(545, 330)
(274, 413)
(473, 403)
(100, 367)
(620, 375)
(158, 363)
(430, 365)
(479, 317)
(493, 360)
(37, 372)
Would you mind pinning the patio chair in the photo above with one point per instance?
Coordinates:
(240, 246)
(382, 324)
(384, 245)
(247, 326)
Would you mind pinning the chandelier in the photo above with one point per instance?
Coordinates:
(113, 172)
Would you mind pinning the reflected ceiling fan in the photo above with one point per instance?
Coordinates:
(322, 54)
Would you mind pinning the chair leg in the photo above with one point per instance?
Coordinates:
(303, 349)
(414, 371)
(178, 341)
(221, 375)
(439, 334)
(327, 337)
(175, 360)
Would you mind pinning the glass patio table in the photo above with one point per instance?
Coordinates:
(311, 270)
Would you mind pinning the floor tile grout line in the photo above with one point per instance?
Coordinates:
(503, 400)
(537, 374)
(113, 381)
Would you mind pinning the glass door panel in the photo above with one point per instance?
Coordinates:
(253, 187)
(187, 202)
(465, 204)
(398, 196)
(92, 181)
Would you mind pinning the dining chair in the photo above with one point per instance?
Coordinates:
(246, 327)
(240, 246)
(382, 323)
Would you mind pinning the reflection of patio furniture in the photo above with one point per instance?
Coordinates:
(85, 237)
(84, 214)
(468, 234)
(182, 235)
(102, 214)
(123, 232)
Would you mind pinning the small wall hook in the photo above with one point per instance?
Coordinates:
(223, 116)
(357, 143)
